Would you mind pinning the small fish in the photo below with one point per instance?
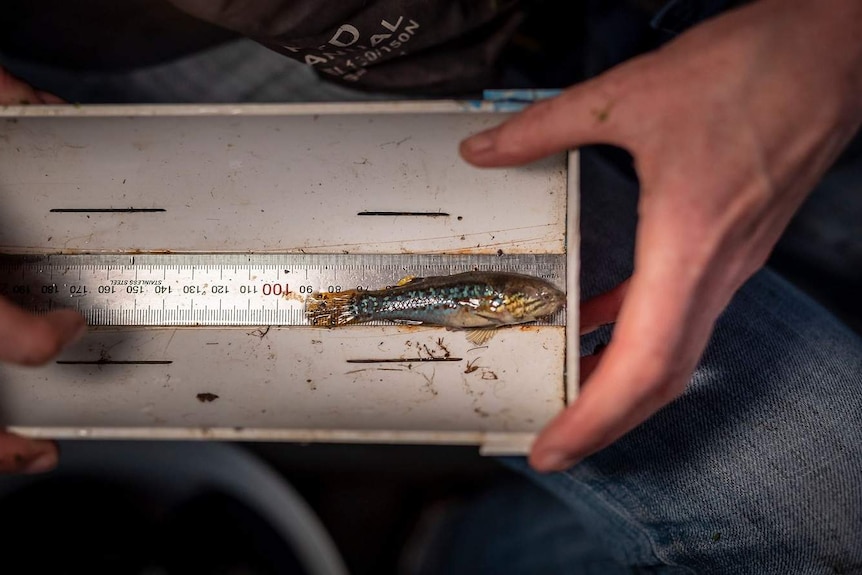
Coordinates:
(478, 301)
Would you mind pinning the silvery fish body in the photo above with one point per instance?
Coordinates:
(470, 300)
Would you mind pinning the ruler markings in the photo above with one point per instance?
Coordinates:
(258, 288)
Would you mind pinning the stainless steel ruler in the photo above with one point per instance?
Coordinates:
(227, 289)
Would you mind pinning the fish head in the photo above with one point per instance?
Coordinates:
(530, 299)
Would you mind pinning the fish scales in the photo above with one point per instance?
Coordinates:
(469, 300)
(432, 304)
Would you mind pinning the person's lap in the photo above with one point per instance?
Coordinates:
(754, 470)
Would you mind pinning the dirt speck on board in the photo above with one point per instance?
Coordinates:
(207, 397)
(291, 295)
(429, 384)
(261, 331)
(489, 375)
(442, 346)
(471, 366)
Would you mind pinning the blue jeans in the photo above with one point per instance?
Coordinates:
(757, 468)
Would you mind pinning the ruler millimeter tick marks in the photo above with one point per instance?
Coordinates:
(183, 289)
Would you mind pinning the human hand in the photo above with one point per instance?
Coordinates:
(26, 339)
(14, 92)
(32, 340)
(730, 125)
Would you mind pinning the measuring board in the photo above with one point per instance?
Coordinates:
(229, 289)
(190, 236)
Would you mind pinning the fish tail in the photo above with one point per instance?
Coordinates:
(331, 309)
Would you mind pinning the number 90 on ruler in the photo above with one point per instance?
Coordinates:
(224, 289)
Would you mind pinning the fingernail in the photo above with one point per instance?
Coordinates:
(40, 464)
(555, 461)
(480, 143)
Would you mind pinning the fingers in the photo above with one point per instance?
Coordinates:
(32, 340)
(596, 312)
(580, 115)
(21, 455)
(14, 92)
(589, 364)
(654, 349)
(49, 98)
(602, 309)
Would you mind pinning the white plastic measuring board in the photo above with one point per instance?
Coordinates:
(260, 195)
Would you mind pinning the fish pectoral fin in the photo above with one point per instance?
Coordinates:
(481, 336)
(406, 280)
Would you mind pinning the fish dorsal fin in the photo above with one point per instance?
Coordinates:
(481, 336)
(406, 280)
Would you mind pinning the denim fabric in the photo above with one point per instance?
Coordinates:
(756, 469)
(517, 529)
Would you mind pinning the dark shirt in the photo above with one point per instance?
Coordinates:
(425, 46)
(385, 45)
(102, 35)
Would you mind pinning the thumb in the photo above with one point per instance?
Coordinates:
(22, 455)
(580, 115)
(32, 340)
(654, 349)
(14, 92)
